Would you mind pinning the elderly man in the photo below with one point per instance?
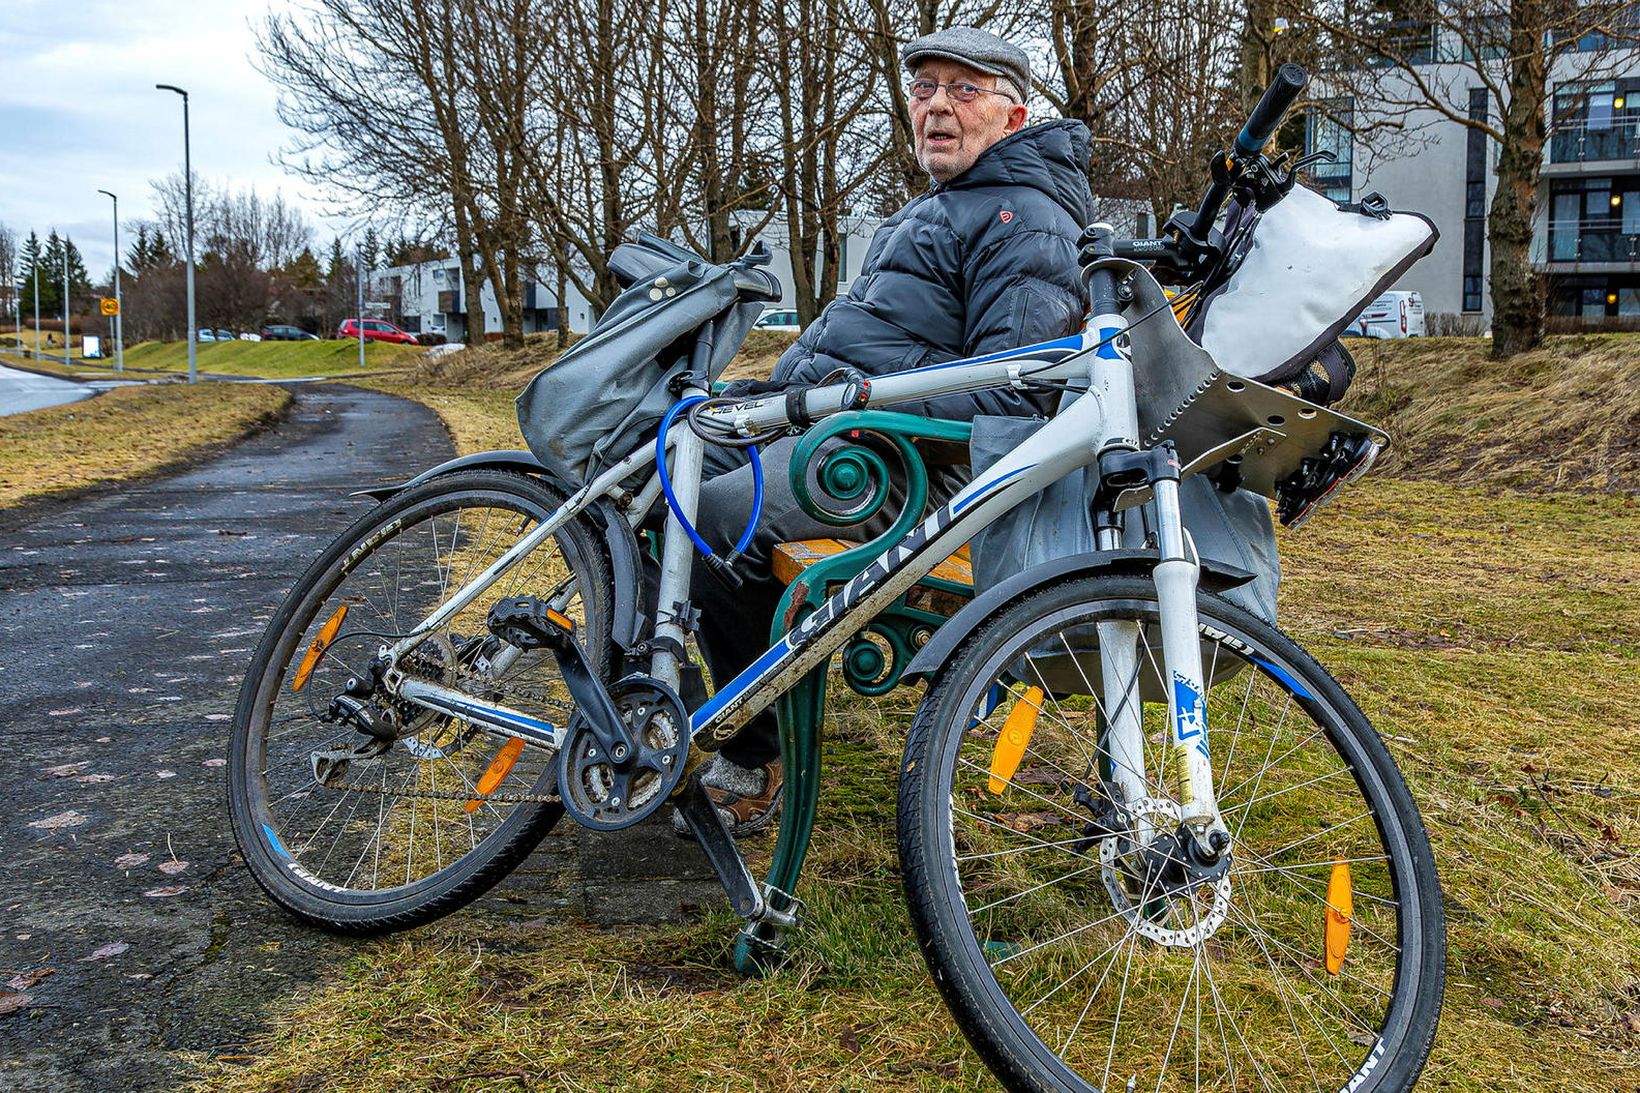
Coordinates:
(984, 261)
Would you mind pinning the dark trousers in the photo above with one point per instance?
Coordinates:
(735, 623)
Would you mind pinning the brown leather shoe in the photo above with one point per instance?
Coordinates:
(732, 791)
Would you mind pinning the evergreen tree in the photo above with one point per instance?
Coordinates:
(30, 259)
(51, 277)
(303, 271)
(79, 281)
(140, 255)
(159, 250)
(339, 268)
(370, 250)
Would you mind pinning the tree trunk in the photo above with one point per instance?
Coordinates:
(1255, 52)
(1517, 291)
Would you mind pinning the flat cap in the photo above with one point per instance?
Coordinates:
(978, 49)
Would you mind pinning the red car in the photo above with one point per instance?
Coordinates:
(375, 331)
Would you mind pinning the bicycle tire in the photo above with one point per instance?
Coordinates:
(377, 568)
(997, 927)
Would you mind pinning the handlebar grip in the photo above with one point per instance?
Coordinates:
(1281, 94)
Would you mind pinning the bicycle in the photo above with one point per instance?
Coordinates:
(1086, 874)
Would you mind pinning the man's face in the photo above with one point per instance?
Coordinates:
(948, 136)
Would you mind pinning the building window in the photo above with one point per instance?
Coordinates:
(1327, 128)
(1474, 222)
(1595, 121)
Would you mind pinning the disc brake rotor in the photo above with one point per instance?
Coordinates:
(1180, 918)
(605, 797)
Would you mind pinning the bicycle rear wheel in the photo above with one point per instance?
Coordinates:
(1073, 960)
(412, 827)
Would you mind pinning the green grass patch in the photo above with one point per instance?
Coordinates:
(274, 360)
(125, 433)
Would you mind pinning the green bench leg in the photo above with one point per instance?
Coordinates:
(800, 712)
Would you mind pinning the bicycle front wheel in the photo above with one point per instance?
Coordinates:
(360, 832)
(1073, 957)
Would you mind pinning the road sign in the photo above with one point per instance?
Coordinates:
(110, 306)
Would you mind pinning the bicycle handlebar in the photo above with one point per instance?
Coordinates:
(1281, 94)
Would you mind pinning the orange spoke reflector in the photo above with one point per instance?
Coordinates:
(1340, 906)
(327, 634)
(498, 769)
(1014, 738)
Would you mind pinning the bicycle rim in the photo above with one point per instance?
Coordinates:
(448, 807)
(1073, 961)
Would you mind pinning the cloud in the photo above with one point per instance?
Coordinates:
(79, 112)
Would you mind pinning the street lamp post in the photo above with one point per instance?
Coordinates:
(37, 304)
(119, 310)
(358, 283)
(188, 189)
(66, 322)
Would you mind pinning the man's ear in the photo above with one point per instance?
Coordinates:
(1016, 119)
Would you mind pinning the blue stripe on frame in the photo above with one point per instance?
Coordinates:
(988, 489)
(735, 686)
(1072, 343)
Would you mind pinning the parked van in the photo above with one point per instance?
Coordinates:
(1392, 315)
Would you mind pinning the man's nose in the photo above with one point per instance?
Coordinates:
(941, 100)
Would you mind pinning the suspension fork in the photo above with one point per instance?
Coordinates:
(1123, 465)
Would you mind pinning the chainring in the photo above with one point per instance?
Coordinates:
(604, 798)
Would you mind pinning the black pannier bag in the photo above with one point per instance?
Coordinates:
(588, 409)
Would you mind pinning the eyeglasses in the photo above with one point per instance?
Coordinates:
(959, 90)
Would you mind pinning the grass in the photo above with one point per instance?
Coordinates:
(274, 360)
(125, 433)
(94, 369)
(1482, 614)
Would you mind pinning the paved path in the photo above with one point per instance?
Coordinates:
(125, 622)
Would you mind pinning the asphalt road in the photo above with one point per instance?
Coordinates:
(20, 391)
(125, 623)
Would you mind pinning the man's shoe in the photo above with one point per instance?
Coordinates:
(748, 800)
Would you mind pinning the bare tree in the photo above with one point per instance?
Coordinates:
(427, 123)
(1409, 62)
(8, 271)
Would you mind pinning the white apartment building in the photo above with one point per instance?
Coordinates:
(1587, 231)
(432, 297)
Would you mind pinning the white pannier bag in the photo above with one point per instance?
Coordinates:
(1310, 267)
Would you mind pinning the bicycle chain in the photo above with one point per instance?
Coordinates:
(450, 794)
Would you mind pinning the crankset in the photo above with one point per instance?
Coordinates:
(607, 795)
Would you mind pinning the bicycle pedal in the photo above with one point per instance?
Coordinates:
(527, 622)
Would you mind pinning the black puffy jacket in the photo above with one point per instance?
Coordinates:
(983, 263)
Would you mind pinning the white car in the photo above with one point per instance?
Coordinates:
(1393, 315)
(778, 319)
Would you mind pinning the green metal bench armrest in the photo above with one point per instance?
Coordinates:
(848, 473)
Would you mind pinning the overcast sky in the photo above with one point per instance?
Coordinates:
(79, 113)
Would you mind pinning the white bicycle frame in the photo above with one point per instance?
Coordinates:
(1104, 419)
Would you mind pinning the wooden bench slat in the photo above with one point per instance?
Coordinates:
(791, 559)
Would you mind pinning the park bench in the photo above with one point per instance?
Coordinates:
(853, 474)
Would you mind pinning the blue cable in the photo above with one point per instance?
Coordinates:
(702, 545)
(757, 502)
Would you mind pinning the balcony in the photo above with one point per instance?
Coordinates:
(1574, 145)
(1593, 246)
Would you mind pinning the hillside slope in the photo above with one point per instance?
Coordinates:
(1565, 416)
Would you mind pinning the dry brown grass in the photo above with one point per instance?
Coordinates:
(1488, 631)
(126, 433)
(1564, 416)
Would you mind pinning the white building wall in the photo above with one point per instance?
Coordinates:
(421, 284)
